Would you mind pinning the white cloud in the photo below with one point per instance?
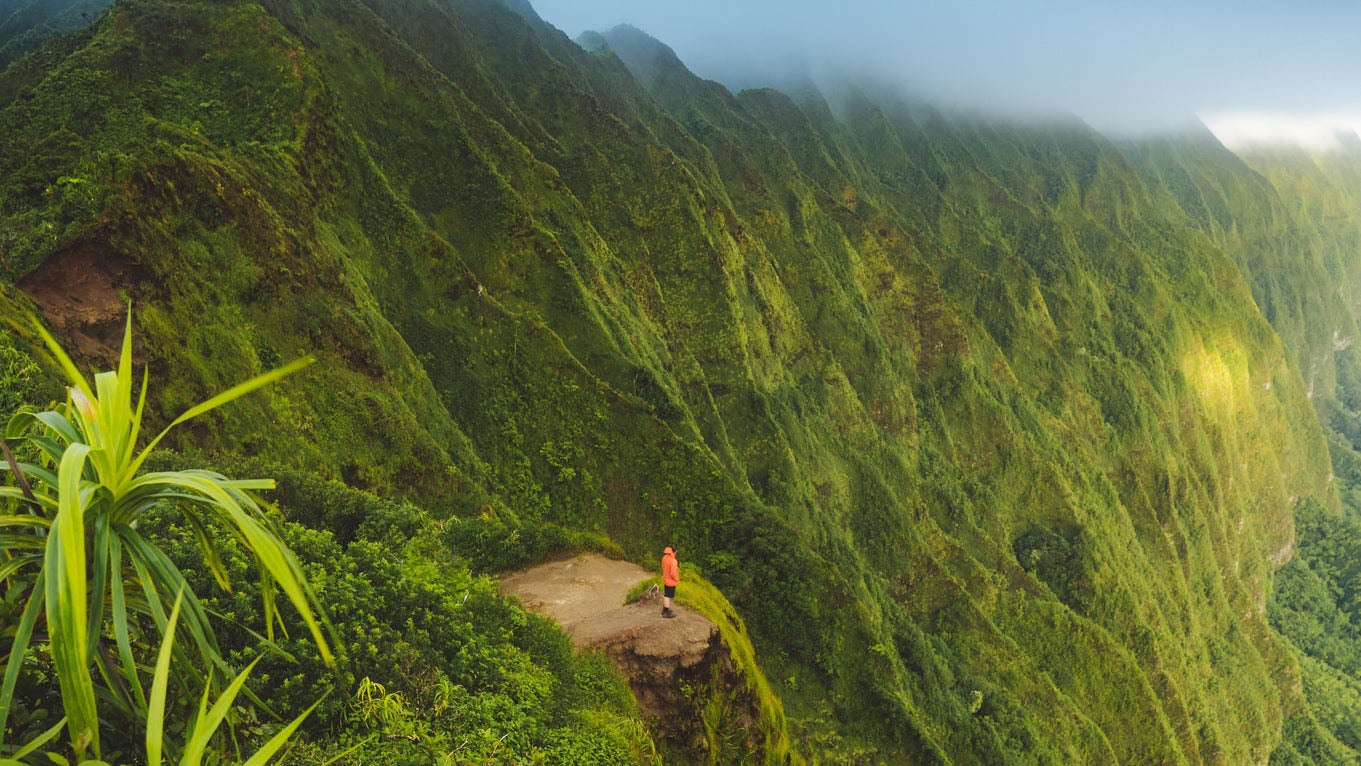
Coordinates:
(1320, 132)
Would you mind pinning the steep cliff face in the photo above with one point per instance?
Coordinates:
(979, 425)
(1315, 604)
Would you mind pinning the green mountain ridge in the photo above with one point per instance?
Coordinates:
(26, 24)
(995, 434)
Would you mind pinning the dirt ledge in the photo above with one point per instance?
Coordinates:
(662, 658)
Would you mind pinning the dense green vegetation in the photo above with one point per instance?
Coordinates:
(433, 664)
(1287, 218)
(481, 680)
(994, 435)
(78, 572)
(26, 24)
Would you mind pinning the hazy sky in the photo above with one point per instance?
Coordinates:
(1240, 66)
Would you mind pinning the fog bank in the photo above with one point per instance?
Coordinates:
(1122, 67)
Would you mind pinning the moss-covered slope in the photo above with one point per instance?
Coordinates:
(979, 428)
(1306, 248)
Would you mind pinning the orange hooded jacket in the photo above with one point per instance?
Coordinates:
(670, 569)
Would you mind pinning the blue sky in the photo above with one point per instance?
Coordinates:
(1121, 66)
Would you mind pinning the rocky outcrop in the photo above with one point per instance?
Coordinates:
(663, 663)
(676, 667)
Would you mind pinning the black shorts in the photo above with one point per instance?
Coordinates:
(669, 591)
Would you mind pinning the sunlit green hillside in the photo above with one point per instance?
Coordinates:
(996, 435)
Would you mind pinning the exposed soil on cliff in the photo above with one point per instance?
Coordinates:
(82, 292)
(586, 596)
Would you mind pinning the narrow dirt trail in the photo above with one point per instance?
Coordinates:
(585, 595)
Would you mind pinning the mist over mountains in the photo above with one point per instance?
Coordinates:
(1123, 68)
(1008, 442)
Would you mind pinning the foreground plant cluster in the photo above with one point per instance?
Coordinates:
(136, 591)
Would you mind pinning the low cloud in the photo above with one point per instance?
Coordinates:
(1123, 67)
(1318, 132)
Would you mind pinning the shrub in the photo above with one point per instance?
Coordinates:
(73, 554)
(433, 665)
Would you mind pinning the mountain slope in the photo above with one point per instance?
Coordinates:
(979, 426)
(1314, 605)
(26, 24)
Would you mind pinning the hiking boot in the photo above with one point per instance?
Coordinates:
(667, 612)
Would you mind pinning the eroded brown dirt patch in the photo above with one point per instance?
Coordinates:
(81, 292)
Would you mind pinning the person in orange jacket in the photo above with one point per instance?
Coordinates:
(670, 579)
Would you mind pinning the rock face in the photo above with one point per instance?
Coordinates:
(662, 658)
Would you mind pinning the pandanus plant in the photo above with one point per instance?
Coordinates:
(70, 548)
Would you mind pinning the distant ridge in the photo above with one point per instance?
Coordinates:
(999, 436)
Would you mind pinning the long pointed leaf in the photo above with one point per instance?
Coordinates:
(15, 564)
(59, 425)
(208, 724)
(19, 648)
(148, 560)
(230, 394)
(128, 433)
(67, 605)
(99, 582)
(277, 742)
(271, 555)
(41, 474)
(210, 555)
(120, 626)
(107, 430)
(155, 724)
(127, 458)
(19, 424)
(153, 567)
(41, 740)
(69, 367)
(22, 542)
(25, 520)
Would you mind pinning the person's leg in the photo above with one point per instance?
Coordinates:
(667, 593)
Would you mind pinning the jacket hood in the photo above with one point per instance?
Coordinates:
(668, 551)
